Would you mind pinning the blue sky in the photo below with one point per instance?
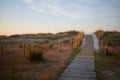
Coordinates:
(35, 16)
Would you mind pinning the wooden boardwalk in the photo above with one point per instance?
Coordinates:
(82, 67)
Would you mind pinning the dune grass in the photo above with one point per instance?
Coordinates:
(107, 66)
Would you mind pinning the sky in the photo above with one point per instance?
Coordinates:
(52, 16)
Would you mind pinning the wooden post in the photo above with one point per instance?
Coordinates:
(24, 48)
(72, 44)
(2, 49)
(106, 48)
(101, 45)
(78, 43)
(44, 48)
(59, 48)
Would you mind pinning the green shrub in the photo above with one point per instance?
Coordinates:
(21, 46)
(29, 47)
(50, 45)
(35, 56)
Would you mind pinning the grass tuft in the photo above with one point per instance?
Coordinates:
(36, 56)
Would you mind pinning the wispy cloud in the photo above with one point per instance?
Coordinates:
(78, 9)
(28, 1)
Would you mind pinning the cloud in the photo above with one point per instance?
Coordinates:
(28, 1)
(37, 9)
(78, 9)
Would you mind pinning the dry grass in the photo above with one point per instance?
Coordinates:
(108, 66)
(15, 66)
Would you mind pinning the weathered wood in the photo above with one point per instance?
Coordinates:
(78, 42)
(2, 49)
(24, 49)
(101, 45)
(72, 44)
(59, 47)
(44, 48)
(106, 48)
(83, 66)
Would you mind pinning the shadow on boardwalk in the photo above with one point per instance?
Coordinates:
(82, 67)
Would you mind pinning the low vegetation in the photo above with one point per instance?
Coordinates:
(50, 45)
(39, 61)
(42, 35)
(35, 56)
(109, 41)
(107, 66)
(112, 38)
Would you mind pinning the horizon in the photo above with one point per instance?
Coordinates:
(53, 16)
(59, 32)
